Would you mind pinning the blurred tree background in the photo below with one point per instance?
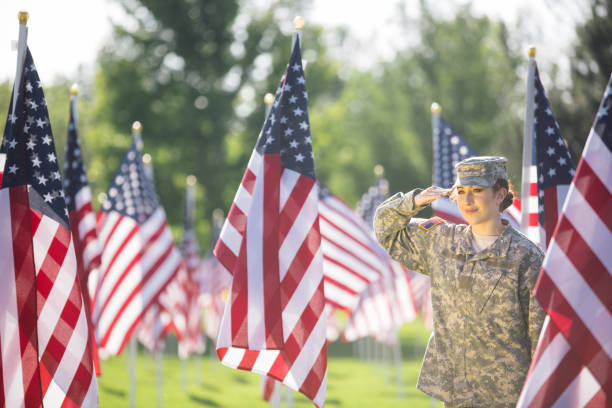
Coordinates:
(194, 72)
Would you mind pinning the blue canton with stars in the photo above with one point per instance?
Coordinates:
(74, 169)
(376, 194)
(132, 192)
(554, 163)
(287, 129)
(449, 148)
(30, 151)
(603, 121)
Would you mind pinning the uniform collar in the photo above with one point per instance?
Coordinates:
(498, 249)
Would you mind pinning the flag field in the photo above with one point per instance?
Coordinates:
(352, 382)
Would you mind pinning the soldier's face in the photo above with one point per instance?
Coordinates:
(477, 204)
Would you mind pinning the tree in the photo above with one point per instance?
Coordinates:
(194, 72)
(590, 68)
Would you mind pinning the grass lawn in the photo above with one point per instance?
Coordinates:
(204, 382)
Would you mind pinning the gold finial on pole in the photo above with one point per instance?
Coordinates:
(435, 108)
(298, 22)
(191, 180)
(379, 170)
(531, 51)
(102, 198)
(23, 16)
(218, 213)
(74, 90)
(137, 127)
(269, 99)
(146, 158)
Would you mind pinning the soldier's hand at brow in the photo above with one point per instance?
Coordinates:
(431, 194)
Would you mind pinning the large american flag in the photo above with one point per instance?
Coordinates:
(44, 336)
(572, 365)
(449, 148)
(139, 257)
(82, 217)
(555, 169)
(274, 320)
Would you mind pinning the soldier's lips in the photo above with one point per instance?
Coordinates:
(470, 210)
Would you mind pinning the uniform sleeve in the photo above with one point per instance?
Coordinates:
(532, 311)
(401, 235)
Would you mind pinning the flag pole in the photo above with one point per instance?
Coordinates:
(436, 110)
(22, 45)
(132, 370)
(159, 375)
(528, 140)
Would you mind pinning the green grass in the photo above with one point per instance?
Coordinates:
(205, 382)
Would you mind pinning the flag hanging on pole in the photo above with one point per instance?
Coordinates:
(274, 320)
(139, 257)
(554, 165)
(572, 365)
(46, 359)
(81, 215)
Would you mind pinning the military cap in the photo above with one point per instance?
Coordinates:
(481, 171)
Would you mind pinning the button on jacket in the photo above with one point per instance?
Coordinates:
(486, 320)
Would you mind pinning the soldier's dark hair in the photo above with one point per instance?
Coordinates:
(503, 183)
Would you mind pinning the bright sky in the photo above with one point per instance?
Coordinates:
(66, 34)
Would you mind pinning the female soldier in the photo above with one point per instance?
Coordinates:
(486, 321)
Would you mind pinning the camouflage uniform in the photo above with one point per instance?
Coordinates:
(486, 321)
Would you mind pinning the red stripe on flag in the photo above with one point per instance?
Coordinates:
(315, 376)
(25, 285)
(340, 285)
(594, 192)
(164, 255)
(121, 247)
(237, 218)
(248, 359)
(533, 189)
(294, 204)
(225, 256)
(585, 261)
(300, 263)
(533, 219)
(240, 300)
(248, 180)
(573, 328)
(347, 235)
(551, 211)
(271, 244)
(126, 271)
(346, 268)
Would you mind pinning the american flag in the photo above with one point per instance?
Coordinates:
(274, 320)
(44, 336)
(573, 359)
(194, 339)
(388, 302)
(82, 217)
(214, 282)
(139, 257)
(351, 256)
(555, 169)
(449, 148)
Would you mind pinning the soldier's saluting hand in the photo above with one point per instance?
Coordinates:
(486, 321)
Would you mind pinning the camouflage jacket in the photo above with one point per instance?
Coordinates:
(486, 321)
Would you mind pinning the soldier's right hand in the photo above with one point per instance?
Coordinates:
(431, 194)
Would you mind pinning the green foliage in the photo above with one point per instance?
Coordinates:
(590, 64)
(465, 64)
(194, 73)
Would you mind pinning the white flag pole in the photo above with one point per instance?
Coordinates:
(528, 140)
(436, 110)
(22, 45)
(159, 375)
(133, 348)
(397, 358)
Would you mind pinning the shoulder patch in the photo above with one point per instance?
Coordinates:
(432, 222)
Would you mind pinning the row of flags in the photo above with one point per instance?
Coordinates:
(289, 255)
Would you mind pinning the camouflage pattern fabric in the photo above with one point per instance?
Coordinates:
(486, 321)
